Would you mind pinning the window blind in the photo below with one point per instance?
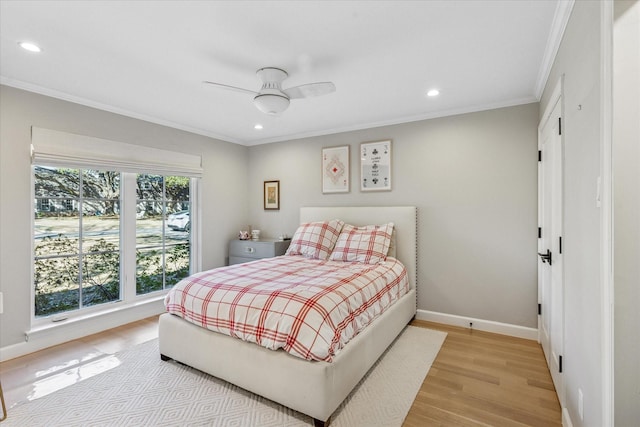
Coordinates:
(56, 148)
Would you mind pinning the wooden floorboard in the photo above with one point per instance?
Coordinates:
(485, 379)
(477, 379)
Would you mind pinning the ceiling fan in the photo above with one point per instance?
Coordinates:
(272, 99)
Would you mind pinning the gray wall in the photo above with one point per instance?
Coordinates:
(473, 178)
(224, 184)
(579, 60)
(626, 178)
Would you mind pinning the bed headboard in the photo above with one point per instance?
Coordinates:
(404, 219)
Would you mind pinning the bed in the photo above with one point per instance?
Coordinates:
(315, 388)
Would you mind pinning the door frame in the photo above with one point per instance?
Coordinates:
(555, 98)
(606, 212)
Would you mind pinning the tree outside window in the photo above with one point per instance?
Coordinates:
(163, 231)
(76, 239)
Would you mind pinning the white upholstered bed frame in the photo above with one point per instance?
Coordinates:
(313, 388)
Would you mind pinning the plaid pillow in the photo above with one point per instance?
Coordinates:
(315, 240)
(368, 244)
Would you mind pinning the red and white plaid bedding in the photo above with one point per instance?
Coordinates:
(310, 308)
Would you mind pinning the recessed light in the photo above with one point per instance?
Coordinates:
(433, 92)
(31, 47)
(258, 127)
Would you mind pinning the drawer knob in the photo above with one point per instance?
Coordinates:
(250, 250)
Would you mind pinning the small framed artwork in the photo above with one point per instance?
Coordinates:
(375, 166)
(335, 169)
(272, 195)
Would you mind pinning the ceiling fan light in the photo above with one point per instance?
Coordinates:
(271, 104)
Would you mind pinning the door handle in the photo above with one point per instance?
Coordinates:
(546, 257)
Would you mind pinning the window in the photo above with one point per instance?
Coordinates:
(42, 205)
(76, 239)
(114, 222)
(162, 231)
(77, 248)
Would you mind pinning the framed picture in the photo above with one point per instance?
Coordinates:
(335, 169)
(272, 195)
(375, 166)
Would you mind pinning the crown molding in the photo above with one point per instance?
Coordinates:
(559, 24)
(18, 84)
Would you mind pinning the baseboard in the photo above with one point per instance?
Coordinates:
(62, 332)
(566, 419)
(479, 324)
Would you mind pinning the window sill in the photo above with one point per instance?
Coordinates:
(55, 322)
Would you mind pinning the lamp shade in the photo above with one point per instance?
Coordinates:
(271, 103)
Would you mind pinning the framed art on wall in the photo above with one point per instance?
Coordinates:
(375, 166)
(335, 169)
(272, 195)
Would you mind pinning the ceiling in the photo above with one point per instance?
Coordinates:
(148, 59)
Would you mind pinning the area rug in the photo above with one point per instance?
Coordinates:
(144, 391)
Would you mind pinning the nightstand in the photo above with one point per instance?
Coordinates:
(250, 250)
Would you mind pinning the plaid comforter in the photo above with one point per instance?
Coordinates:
(309, 308)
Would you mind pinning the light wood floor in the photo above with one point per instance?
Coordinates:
(477, 379)
(38, 374)
(485, 379)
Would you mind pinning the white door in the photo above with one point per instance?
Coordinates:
(550, 276)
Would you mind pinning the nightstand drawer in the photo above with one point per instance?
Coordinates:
(249, 250)
(239, 259)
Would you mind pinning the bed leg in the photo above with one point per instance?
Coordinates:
(164, 358)
(320, 423)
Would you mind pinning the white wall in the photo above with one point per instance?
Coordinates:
(626, 179)
(579, 60)
(473, 178)
(224, 185)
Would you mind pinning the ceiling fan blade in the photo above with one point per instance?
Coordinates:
(237, 89)
(310, 89)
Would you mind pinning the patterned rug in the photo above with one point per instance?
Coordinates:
(144, 391)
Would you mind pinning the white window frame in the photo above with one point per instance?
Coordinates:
(60, 149)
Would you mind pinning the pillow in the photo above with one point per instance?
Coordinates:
(392, 246)
(368, 244)
(315, 240)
